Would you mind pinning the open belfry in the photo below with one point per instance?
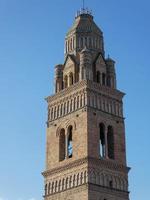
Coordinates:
(85, 151)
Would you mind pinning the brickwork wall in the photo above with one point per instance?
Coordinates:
(85, 117)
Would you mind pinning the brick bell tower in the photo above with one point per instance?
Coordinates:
(85, 151)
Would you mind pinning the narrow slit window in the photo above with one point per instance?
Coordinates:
(71, 79)
(98, 76)
(110, 142)
(103, 79)
(66, 81)
(102, 141)
(62, 145)
(70, 144)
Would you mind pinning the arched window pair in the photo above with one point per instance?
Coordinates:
(68, 80)
(65, 144)
(106, 142)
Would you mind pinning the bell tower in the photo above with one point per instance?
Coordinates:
(85, 150)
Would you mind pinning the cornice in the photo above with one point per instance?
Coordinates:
(65, 167)
(67, 91)
(86, 85)
(104, 90)
(104, 164)
(109, 164)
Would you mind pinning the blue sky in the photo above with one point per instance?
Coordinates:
(31, 43)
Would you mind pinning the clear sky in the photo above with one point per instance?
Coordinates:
(31, 43)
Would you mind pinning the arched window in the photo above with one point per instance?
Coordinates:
(98, 77)
(71, 105)
(90, 42)
(81, 43)
(61, 110)
(110, 184)
(62, 145)
(108, 81)
(64, 108)
(83, 73)
(66, 81)
(78, 101)
(71, 79)
(103, 79)
(81, 101)
(70, 146)
(102, 141)
(110, 142)
(58, 111)
(86, 41)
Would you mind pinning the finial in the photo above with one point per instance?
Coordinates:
(83, 10)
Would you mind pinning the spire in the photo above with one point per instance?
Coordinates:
(84, 32)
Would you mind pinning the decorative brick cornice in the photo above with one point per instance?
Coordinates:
(76, 87)
(65, 167)
(105, 164)
(108, 164)
(88, 85)
(104, 90)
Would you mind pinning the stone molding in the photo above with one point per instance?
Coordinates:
(85, 96)
(104, 163)
(65, 167)
(86, 84)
